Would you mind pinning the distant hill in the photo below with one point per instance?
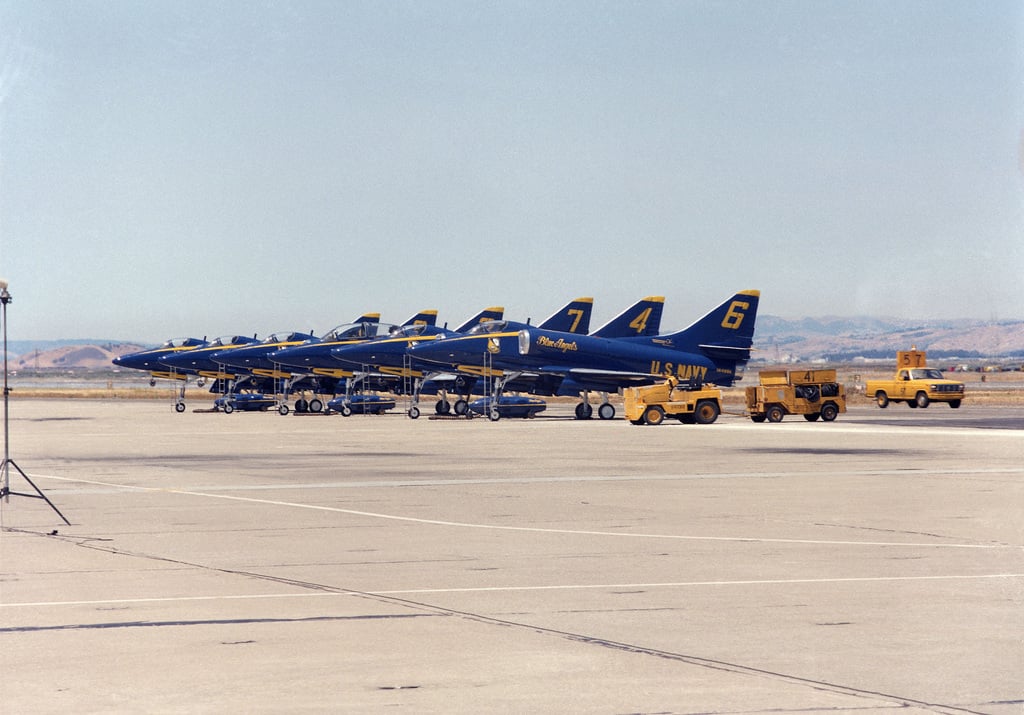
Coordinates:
(842, 339)
(68, 354)
(776, 340)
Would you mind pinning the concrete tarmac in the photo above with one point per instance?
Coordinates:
(259, 563)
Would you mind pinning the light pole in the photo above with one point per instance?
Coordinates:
(5, 468)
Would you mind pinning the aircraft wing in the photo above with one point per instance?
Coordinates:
(616, 377)
(577, 379)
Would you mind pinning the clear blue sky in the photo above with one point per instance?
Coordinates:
(202, 168)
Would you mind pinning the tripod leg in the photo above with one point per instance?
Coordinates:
(39, 492)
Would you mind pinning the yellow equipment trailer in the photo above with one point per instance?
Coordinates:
(811, 393)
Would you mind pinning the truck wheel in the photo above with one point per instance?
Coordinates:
(707, 412)
(829, 412)
(757, 418)
(882, 399)
(775, 414)
(922, 400)
(654, 415)
(812, 416)
(954, 403)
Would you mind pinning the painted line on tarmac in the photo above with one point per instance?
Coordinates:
(501, 589)
(894, 472)
(541, 530)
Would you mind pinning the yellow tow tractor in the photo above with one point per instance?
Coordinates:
(652, 404)
(811, 393)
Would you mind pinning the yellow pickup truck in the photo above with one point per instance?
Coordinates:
(915, 383)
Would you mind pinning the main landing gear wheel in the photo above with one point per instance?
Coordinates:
(461, 407)
(443, 407)
(584, 411)
(606, 411)
(316, 405)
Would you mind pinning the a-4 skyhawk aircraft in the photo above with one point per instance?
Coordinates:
(313, 358)
(388, 358)
(260, 374)
(149, 360)
(484, 354)
(481, 352)
(264, 375)
(712, 350)
(392, 355)
(199, 361)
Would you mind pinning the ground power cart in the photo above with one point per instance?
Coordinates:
(811, 393)
(652, 404)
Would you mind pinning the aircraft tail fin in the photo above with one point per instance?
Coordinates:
(424, 317)
(492, 313)
(725, 334)
(643, 318)
(368, 318)
(574, 317)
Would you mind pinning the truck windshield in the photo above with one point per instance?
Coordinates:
(925, 374)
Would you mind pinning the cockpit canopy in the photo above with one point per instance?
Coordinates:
(183, 343)
(352, 331)
(489, 326)
(408, 331)
(230, 340)
(286, 337)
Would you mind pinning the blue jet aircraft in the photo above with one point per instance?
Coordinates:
(494, 353)
(199, 361)
(149, 360)
(393, 354)
(313, 358)
(712, 350)
(254, 360)
(387, 355)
